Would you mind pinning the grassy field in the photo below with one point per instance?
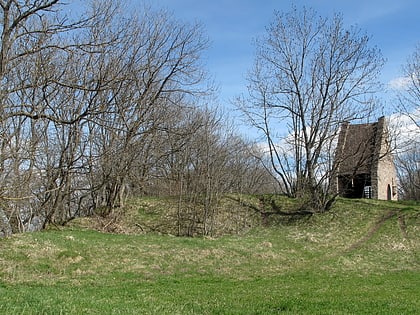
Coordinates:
(360, 258)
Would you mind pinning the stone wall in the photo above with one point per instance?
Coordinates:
(386, 175)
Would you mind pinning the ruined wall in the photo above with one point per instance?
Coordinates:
(364, 159)
(384, 176)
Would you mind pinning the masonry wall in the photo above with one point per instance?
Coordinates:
(383, 169)
(386, 181)
(368, 143)
(386, 174)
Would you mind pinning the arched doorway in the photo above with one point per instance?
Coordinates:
(389, 192)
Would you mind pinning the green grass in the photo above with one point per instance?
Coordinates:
(356, 259)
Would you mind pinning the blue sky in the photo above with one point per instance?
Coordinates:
(231, 25)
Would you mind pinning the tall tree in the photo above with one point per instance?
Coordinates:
(159, 62)
(311, 74)
(408, 162)
(30, 40)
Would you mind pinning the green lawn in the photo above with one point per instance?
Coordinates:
(356, 259)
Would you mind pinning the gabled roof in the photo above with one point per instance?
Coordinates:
(356, 148)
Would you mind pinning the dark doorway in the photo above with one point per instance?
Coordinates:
(389, 193)
(357, 186)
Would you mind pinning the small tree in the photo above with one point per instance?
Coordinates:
(408, 165)
(311, 74)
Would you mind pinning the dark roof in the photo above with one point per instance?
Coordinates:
(356, 148)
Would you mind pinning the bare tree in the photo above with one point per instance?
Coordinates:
(409, 148)
(408, 166)
(160, 66)
(198, 160)
(30, 32)
(311, 74)
(409, 98)
(82, 100)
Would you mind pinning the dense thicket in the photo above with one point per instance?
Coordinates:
(103, 106)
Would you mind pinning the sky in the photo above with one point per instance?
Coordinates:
(232, 25)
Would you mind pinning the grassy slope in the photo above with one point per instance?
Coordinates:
(360, 258)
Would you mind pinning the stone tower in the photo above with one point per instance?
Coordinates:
(364, 166)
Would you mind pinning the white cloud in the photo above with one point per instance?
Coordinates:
(399, 83)
(404, 131)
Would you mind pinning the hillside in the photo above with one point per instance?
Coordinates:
(362, 257)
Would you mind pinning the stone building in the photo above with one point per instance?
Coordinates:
(364, 166)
